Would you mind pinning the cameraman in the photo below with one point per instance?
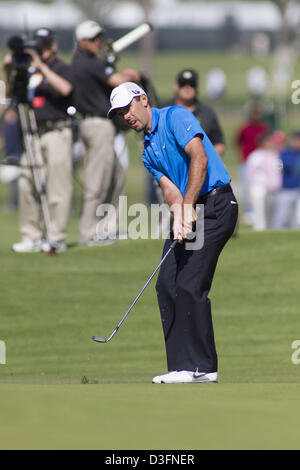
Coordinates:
(104, 177)
(52, 82)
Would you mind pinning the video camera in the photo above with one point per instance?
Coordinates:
(20, 65)
(21, 60)
(18, 45)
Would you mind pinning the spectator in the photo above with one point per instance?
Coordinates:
(52, 97)
(280, 138)
(104, 176)
(186, 88)
(264, 177)
(247, 142)
(12, 147)
(288, 197)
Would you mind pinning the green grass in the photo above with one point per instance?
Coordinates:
(224, 416)
(230, 110)
(59, 389)
(166, 65)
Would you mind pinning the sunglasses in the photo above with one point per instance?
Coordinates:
(191, 83)
(96, 38)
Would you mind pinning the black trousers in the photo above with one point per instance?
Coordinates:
(183, 285)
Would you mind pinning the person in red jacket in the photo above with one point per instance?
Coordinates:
(248, 141)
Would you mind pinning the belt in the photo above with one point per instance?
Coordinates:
(226, 188)
(48, 126)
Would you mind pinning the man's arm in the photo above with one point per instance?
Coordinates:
(128, 75)
(7, 73)
(173, 198)
(197, 170)
(197, 175)
(60, 84)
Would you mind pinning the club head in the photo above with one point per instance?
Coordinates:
(99, 340)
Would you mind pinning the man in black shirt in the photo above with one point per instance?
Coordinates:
(51, 85)
(186, 89)
(104, 177)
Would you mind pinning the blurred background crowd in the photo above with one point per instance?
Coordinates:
(235, 65)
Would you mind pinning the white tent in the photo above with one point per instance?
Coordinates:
(248, 15)
(30, 15)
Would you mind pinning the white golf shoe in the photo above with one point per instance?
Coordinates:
(185, 377)
(26, 245)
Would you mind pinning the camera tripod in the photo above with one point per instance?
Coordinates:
(34, 158)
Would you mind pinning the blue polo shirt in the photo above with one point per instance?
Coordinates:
(164, 155)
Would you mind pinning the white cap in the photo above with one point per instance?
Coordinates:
(123, 94)
(88, 30)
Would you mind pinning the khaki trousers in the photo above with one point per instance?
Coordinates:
(56, 170)
(104, 177)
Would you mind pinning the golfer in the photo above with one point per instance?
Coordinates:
(179, 155)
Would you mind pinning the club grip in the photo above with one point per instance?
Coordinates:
(174, 244)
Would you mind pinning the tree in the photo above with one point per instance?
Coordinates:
(148, 43)
(286, 32)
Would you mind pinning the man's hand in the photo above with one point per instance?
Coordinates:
(189, 216)
(184, 218)
(36, 62)
(173, 198)
(132, 75)
(7, 61)
(60, 84)
(127, 75)
(176, 210)
(7, 74)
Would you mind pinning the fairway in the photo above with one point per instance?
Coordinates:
(140, 416)
(61, 390)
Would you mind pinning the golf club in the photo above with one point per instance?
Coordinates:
(103, 340)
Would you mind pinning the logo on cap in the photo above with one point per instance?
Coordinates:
(187, 75)
(43, 32)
